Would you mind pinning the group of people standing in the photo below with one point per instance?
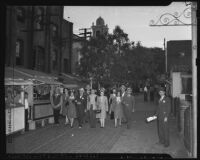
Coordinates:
(151, 93)
(90, 106)
(122, 104)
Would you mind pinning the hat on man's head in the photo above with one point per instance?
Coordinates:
(114, 89)
(92, 89)
(87, 87)
(81, 89)
(162, 89)
(123, 86)
(102, 89)
(129, 89)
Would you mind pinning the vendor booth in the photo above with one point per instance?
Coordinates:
(38, 91)
(39, 87)
(41, 108)
(14, 104)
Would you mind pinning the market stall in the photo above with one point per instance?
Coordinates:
(41, 106)
(14, 104)
(42, 86)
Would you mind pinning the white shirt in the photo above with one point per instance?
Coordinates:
(26, 103)
(161, 98)
(71, 97)
(118, 99)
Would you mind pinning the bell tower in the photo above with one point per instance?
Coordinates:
(100, 28)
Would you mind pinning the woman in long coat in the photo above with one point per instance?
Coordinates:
(65, 104)
(118, 110)
(102, 102)
(71, 112)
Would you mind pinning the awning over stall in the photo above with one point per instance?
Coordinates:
(36, 76)
(11, 73)
(10, 81)
(39, 78)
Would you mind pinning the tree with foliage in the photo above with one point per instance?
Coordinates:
(114, 58)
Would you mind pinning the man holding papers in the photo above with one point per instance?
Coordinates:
(162, 113)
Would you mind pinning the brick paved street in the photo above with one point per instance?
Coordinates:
(141, 138)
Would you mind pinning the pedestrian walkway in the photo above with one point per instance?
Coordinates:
(141, 138)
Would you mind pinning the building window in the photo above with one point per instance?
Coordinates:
(40, 58)
(21, 14)
(39, 19)
(17, 48)
(19, 51)
(97, 33)
(66, 65)
(54, 30)
(186, 85)
(54, 59)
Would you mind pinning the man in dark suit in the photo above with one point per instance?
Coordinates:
(81, 102)
(128, 103)
(123, 93)
(56, 104)
(162, 112)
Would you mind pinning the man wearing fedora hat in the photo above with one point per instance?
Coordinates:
(81, 102)
(162, 113)
(87, 113)
(123, 93)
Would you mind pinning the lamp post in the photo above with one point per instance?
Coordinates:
(165, 49)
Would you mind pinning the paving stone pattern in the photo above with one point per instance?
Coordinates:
(141, 138)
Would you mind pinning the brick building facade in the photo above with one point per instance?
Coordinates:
(179, 55)
(38, 38)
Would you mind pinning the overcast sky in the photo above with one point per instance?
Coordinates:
(134, 20)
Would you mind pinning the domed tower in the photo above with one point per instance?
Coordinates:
(100, 28)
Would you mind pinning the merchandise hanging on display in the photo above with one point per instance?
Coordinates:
(14, 108)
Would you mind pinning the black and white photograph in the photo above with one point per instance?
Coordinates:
(101, 79)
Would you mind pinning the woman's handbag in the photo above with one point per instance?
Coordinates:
(97, 111)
